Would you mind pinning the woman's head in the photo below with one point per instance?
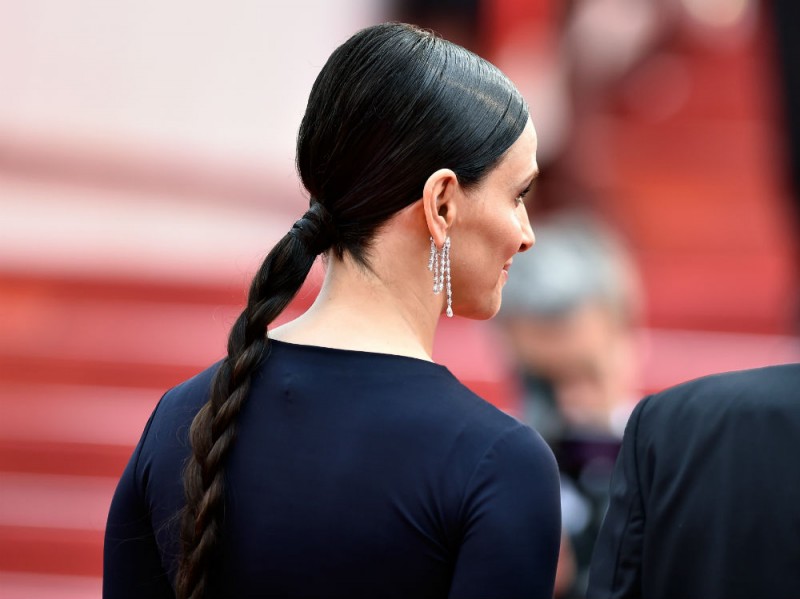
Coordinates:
(391, 106)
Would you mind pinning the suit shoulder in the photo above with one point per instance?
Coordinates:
(737, 390)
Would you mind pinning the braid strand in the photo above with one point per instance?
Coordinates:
(213, 429)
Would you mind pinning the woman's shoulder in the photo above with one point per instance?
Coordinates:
(190, 394)
(503, 437)
(477, 429)
(170, 420)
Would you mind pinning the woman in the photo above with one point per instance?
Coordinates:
(331, 457)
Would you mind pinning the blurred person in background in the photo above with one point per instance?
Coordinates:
(786, 23)
(569, 318)
(705, 493)
(331, 456)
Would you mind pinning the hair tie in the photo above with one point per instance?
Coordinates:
(315, 229)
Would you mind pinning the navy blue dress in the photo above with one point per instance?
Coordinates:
(353, 474)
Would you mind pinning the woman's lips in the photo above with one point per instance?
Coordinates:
(506, 266)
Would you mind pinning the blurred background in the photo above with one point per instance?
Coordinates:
(147, 166)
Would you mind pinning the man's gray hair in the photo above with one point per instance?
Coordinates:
(576, 260)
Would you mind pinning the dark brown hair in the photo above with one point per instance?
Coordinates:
(392, 104)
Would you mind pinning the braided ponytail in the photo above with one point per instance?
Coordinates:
(212, 431)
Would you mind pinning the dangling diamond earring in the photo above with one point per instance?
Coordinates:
(439, 263)
(446, 269)
(433, 265)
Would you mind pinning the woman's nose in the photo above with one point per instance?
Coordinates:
(528, 238)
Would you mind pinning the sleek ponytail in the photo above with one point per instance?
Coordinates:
(392, 104)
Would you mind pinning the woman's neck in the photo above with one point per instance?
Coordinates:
(368, 310)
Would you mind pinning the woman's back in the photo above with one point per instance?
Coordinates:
(354, 474)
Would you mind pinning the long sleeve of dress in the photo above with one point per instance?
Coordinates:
(132, 566)
(513, 522)
(616, 563)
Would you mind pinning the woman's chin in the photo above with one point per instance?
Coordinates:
(482, 311)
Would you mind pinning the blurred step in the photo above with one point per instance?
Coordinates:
(91, 415)
(18, 585)
(674, 356)
(52, 523)
(65, 458)
(55, 502)
(71, 429)
(51, 551)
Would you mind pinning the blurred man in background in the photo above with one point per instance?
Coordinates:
(569, 316)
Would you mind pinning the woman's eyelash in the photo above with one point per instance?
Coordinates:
(524, 193)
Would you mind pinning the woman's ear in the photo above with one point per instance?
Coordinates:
(439, 201)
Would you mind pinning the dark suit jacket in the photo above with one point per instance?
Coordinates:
(705, 496)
